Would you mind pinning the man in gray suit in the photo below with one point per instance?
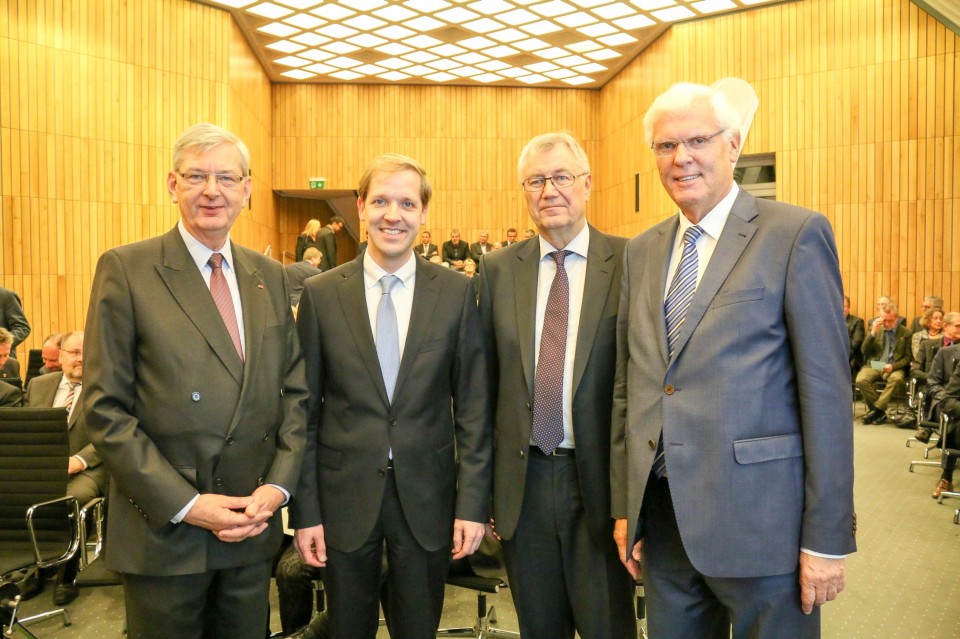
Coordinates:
(298, 272)
(327, 242)
(398, 451)
(732, 450)
(549, 310)
(195, 399)
(88, 477)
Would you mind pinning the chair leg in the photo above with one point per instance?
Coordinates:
(946, 494)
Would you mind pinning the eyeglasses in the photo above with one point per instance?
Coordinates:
(664, 148)
(560, 181)
(226, 180)
(73, 354)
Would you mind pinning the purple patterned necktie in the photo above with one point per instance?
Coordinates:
(548, 381)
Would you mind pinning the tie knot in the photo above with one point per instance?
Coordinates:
(73, 385)
(216, 260)
(559, 256)
(387, 282)
(692, 234)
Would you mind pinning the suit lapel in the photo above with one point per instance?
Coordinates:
(660, 254)
(353, 303)
(736, 235)
(599, 277)
(187, 287)
(426, 294)
(253, 300)
(525, 277)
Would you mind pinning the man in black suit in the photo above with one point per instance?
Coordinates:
(194, 401)
(9, 367)
(937, 359)
(12, 318)
(482, 247)
(549, 308)
(425, 249)
(298, 272)
(856, 332)
(511, 238)
(455, 251)
(391, 342)
(327, 242)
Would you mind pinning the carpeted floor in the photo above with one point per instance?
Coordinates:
(904, 581)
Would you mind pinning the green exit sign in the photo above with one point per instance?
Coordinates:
(318, 183)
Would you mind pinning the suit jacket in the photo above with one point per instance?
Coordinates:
(920, 366)
(351, 425)
(856, 332)
(297, 274)
(12, 317)
(10, 396)
(476, 251)
(173, 412)
(754, 406)
(427, 253)
(327, 243)
(508, 306)
(453, 253)
(10, 369)
(41, 392)
(944, 362)
(902, 353)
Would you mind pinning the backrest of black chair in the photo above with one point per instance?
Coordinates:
(34, 447)
(34, 364)
(13, 381)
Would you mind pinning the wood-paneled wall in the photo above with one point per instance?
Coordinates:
(859, 101)
(93, 95)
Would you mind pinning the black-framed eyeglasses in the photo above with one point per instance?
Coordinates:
(560, 181)
(663, 148)
(226, 180)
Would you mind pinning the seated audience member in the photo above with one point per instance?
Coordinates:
(50, 353)
(856, 331)
(939, 372)
(931, 327)
(511, 238)
(929, 303)
(480, 248)
(455, 251)
(469, 267)
(13, 319)
(11, 396)
(425, 249)
(88, 477)
(9, 367)
(886, 356)
(298, 272)
(528, 234)
(883, 299)
(951, 406)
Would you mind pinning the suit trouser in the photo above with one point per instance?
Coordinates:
(413, 595)
(865, 380)
(230, 603)
(560, 579)
(683, 603)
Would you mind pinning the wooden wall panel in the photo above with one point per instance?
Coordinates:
(92, 98)
(858, 100)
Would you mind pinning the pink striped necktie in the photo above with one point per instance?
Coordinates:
(224, 301)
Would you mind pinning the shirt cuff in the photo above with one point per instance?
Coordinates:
(821, 554)
(183, 512)
(82, 461)
(286, 493)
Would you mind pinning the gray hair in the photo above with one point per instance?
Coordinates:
(684, 96)
(545, 142)
(205, 136)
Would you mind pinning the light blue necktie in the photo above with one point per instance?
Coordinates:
(388, 336)
(679, 296)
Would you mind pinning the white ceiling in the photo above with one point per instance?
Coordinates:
(547, 43)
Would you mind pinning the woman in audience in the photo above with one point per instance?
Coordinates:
(307, 239)
(931, 327)
(469, 267)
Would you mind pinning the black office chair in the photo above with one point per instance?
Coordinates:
(483, 573)
(943, 424)
(39, 525)
(34, 364)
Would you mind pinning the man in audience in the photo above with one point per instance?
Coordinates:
(87, 476)
(929, 302)
(399, 443)
(950, 405)
(50, 353)
(939, 372)
(327, 242)
(855, 331)
(194, 398)
(13, 319)
(298, 272)
(881, 301)
(9, 367)
(548, 308)
(886, 356)
(480, 248)
(455, 251)
(920, 370)
(528, 234)
(732, 457)
(426, 249)
(511, 238)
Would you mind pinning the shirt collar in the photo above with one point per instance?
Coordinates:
(579, 245)
(201, 253)
(714, 221)
(372, 272)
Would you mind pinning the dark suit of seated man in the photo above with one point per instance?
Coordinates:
(9, 366)
(455, 251)
(480, 248)
(88, 477)
(426, 249)
(298, 272)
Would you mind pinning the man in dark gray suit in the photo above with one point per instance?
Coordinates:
(298, 272)
(12, 318)
(391, 344)
(327, 242)
(195, 399)
(733, 445)
(549, 310)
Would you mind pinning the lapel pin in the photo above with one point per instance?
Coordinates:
(259, 285)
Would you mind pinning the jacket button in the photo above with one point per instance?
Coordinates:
(523, 454)
(669, 389)
(281, 392)
(529, 407)
(382, 472)
(218, 481)
(652, 444)
(259, 481)
(266, 436)
(229, 440)
(393, 422)
(195, 396)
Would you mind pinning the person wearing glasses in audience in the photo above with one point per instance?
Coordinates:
(194, 398)
(733, 445)
(87, 476)
(548, 308)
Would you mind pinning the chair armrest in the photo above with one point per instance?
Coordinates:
(73, 515)
(91, 515)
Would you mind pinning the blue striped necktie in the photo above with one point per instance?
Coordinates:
(679, 296)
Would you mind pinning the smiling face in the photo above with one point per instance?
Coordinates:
(394, 213)
(209, 210)
(559, 214)
(696, 181)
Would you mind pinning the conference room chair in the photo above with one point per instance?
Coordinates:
(941, 439)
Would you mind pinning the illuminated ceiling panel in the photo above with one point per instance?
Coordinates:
(544, 43)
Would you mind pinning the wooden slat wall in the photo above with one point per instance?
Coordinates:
(92, 97)
(468, 139)
(859, 101)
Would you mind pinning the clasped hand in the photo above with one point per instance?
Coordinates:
(234, 519)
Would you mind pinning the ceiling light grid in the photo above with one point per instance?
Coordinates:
(556, 43)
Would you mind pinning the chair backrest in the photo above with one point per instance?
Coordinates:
(34, 447)
(34, 364)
